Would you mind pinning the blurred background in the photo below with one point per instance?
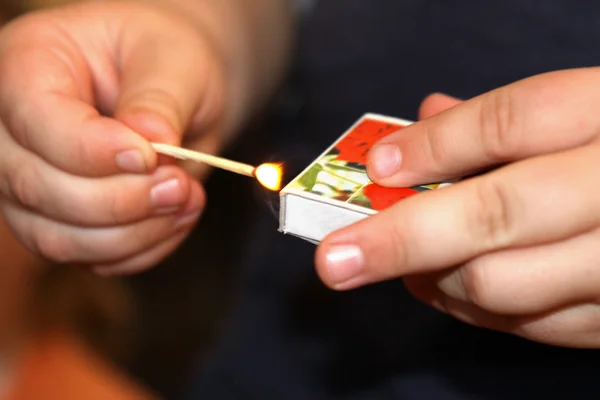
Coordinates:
(67, 334)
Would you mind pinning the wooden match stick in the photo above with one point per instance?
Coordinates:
(214, 161)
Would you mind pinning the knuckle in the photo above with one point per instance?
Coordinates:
(499, 124)
(116, 209)
(21, 187)
(434, 147)
(125, 206)
(144, 235)
(104, 206)
(398, 244)
(494, 219)
(21, 127)
(53, 246)
(477, 286)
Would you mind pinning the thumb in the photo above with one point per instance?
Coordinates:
(170, 85)
(435, 104)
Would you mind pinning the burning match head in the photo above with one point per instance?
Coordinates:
(269, 175)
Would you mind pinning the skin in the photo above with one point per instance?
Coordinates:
(515, 249)
(86, 87)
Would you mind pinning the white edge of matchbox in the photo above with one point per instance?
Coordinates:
(313, 218)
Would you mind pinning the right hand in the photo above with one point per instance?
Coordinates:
(83, 89)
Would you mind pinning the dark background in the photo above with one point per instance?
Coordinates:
(179, 303)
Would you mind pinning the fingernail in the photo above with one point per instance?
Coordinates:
(187, 219)
(384, 160)
(446, 96)
(344, 263)
(131, 161)
(167, 196)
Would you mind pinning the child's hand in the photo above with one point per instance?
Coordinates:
(516, 249)
(81, 90)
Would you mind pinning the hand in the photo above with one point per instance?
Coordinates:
(516, 249)
(83, 89)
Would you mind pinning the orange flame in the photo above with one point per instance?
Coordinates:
(269, 175)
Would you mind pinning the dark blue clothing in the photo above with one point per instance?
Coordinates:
(288, 337)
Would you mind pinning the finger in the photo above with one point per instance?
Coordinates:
(576, 327)
(425, 289)
(116, 200)
(69, 244)
(535, 201)
(532, 280)
(435, 104)
(169, 83)
(46, 103)
(143, 261)
(539, 115)
(572, 326)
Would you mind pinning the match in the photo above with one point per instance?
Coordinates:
(268, 174)
(214, 161)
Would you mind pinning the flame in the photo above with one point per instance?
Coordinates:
(269, 175)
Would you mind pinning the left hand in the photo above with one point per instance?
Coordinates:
(83, 90)
(516, 249)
